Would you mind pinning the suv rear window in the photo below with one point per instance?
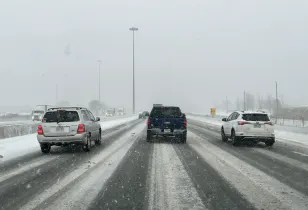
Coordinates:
(256, 117)
(61, 116)
(166, 112)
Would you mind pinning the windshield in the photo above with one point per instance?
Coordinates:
(154, 105)
(61, 116)
(166, 112)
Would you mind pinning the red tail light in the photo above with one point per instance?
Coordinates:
(268, 123)
(185, 123)
(81, 128)
(149, 121)
(242, 122)
(40, 130)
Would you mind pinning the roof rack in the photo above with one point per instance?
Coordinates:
(73, 107)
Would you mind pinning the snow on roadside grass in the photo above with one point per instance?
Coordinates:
(14, 147)
(281, 135)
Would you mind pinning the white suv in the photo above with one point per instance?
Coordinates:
(251, 126)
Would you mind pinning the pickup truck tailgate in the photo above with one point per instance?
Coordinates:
(167, 123)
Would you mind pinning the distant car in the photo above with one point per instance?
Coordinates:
(146, 114)
(68, 125)
(140, 115)
(248, 126)
(121, 112)
(167, 121)
(110, 112)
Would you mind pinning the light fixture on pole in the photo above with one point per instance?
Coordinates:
(133, 29)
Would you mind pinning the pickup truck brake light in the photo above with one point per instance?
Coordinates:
(185, 123)
(149, 121)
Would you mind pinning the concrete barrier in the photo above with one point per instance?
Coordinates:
(7, 131)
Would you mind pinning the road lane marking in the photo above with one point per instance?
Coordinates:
(170, 185)
(283, 158)
(27, 167)
(72, 188)
(260, 189)
(302, 154)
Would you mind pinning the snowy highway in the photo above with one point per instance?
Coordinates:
(127, 172)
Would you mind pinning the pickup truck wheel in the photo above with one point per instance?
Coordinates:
(149, 136)
(86, 147)
(184, 138)
(45, 148)
(98, 141)
(223, 135)
(235, 139)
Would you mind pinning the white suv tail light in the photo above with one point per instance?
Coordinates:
(268, 123)
(242, 122)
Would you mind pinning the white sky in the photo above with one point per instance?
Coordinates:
(188, 53)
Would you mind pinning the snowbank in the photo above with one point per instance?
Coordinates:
(19, 146)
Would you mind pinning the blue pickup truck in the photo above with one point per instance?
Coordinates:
(167, 121)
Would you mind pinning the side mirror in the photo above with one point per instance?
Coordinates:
(224, 119)
(98, 119)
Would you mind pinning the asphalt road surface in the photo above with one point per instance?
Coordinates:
(127, 172)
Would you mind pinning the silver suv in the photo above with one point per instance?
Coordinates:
(68, 125)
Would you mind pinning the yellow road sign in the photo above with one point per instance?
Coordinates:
(213, 111)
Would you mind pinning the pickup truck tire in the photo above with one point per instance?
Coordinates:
(45, 148)
(149, 136)
(183, 138)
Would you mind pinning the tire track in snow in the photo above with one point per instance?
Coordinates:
(260, 189)
(170, 185)
(80, 187)
(273, 164)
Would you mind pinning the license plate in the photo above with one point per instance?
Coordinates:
(257, 125)
(167, 130)
(62, 129)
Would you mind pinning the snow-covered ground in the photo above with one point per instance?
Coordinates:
(286, 134)
(14, 147)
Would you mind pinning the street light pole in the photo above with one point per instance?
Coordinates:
(133, 29)
(99, 80)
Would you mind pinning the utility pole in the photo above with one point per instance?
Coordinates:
(244, 100)
(99, 80)
(133, 29)
(277, 111)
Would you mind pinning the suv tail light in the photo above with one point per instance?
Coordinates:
(149, 122)
(242, 122)
(185, 123)
(81, 128)
(40, 130)
(268, 123)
